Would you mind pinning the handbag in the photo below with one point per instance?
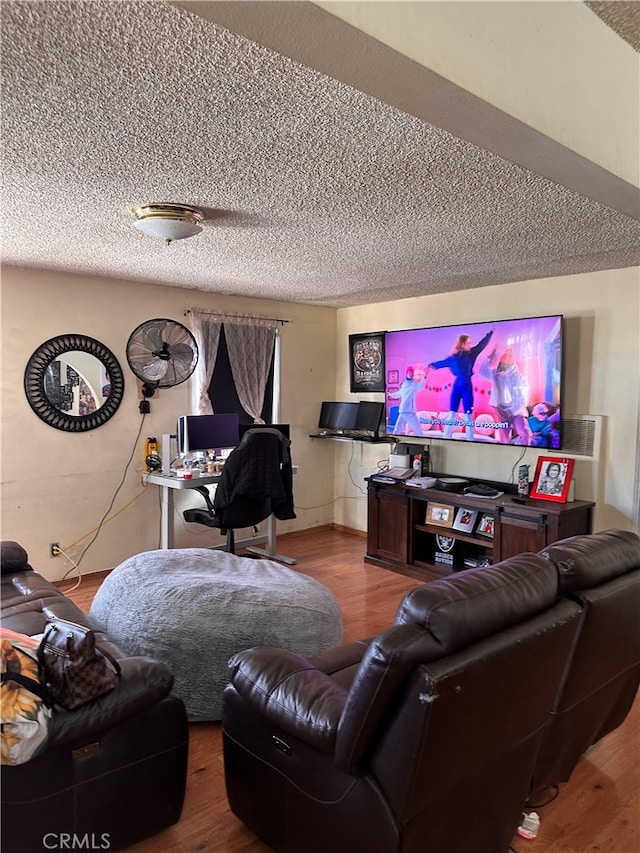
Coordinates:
(76, 669)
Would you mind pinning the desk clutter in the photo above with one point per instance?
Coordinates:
(188, 469)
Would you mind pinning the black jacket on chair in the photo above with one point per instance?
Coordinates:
(257, 474)
(256, 482)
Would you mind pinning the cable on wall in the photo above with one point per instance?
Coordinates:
(115, 494)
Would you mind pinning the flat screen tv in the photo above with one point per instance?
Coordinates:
(497, 382)
(199, 433)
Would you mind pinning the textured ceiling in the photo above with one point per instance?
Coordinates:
(315, 192)
(623, 16)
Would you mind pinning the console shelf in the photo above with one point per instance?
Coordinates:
(374, 439)
(398, 537)
(455, 534)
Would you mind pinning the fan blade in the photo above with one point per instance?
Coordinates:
(149, 368)
(177, 372)
(153, 335)
(177, 335)
(182, 353)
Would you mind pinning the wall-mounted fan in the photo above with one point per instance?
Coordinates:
(161, 353)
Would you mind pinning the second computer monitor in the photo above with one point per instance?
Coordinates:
(369, 416)
(199, 433)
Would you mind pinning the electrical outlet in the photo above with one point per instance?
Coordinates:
(54, 549)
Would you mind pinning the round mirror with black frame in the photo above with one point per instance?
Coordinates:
(74, 383)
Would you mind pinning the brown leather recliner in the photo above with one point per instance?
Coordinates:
(601, 572)
(114, 770)
(422, 739)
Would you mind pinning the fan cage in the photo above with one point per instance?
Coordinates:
(160, 325)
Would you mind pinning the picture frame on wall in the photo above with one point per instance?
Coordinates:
(552, 478)
(465, 519)
(441, 515)
(366, 362)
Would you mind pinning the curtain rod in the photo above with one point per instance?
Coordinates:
(238, 316)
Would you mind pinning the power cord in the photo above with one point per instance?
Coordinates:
(115, 494)
(555, 791)
(515, 464)
(533, 816)
(68, 572)
(353, 483)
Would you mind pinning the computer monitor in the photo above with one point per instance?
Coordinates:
(338, 416)
(199, 433)
(285, 429)
(369, 416)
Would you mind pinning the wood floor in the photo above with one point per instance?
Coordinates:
(598, 811)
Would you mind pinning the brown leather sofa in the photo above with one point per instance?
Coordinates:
(426, 738)
(114, 770)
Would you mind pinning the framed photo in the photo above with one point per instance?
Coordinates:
(465, 519)
(366, 362)
(393, 377)
(552, 478)
(486, 526)
(441, 515)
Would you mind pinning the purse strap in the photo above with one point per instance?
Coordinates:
(114, 663)
(30, 684)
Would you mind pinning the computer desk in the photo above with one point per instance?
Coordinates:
(169, 482)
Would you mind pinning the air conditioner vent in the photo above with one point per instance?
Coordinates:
(581, 435)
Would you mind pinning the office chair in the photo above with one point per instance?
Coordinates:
(256, 481)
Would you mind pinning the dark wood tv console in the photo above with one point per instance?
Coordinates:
(400, 538)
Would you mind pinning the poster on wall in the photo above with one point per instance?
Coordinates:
(366, 362)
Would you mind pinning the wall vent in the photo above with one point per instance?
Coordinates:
(582, 435)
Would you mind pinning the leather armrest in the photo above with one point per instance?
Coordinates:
(291, 693)
(143, 682)
(334, 661)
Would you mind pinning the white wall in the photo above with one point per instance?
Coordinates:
(553, 65)
(57, 486)
(601, 377)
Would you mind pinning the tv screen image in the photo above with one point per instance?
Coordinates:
(498, 382)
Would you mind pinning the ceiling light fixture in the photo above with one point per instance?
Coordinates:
(167, 222)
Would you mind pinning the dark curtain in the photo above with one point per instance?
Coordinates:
(222, 389)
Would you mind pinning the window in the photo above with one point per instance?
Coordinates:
(238, 365)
